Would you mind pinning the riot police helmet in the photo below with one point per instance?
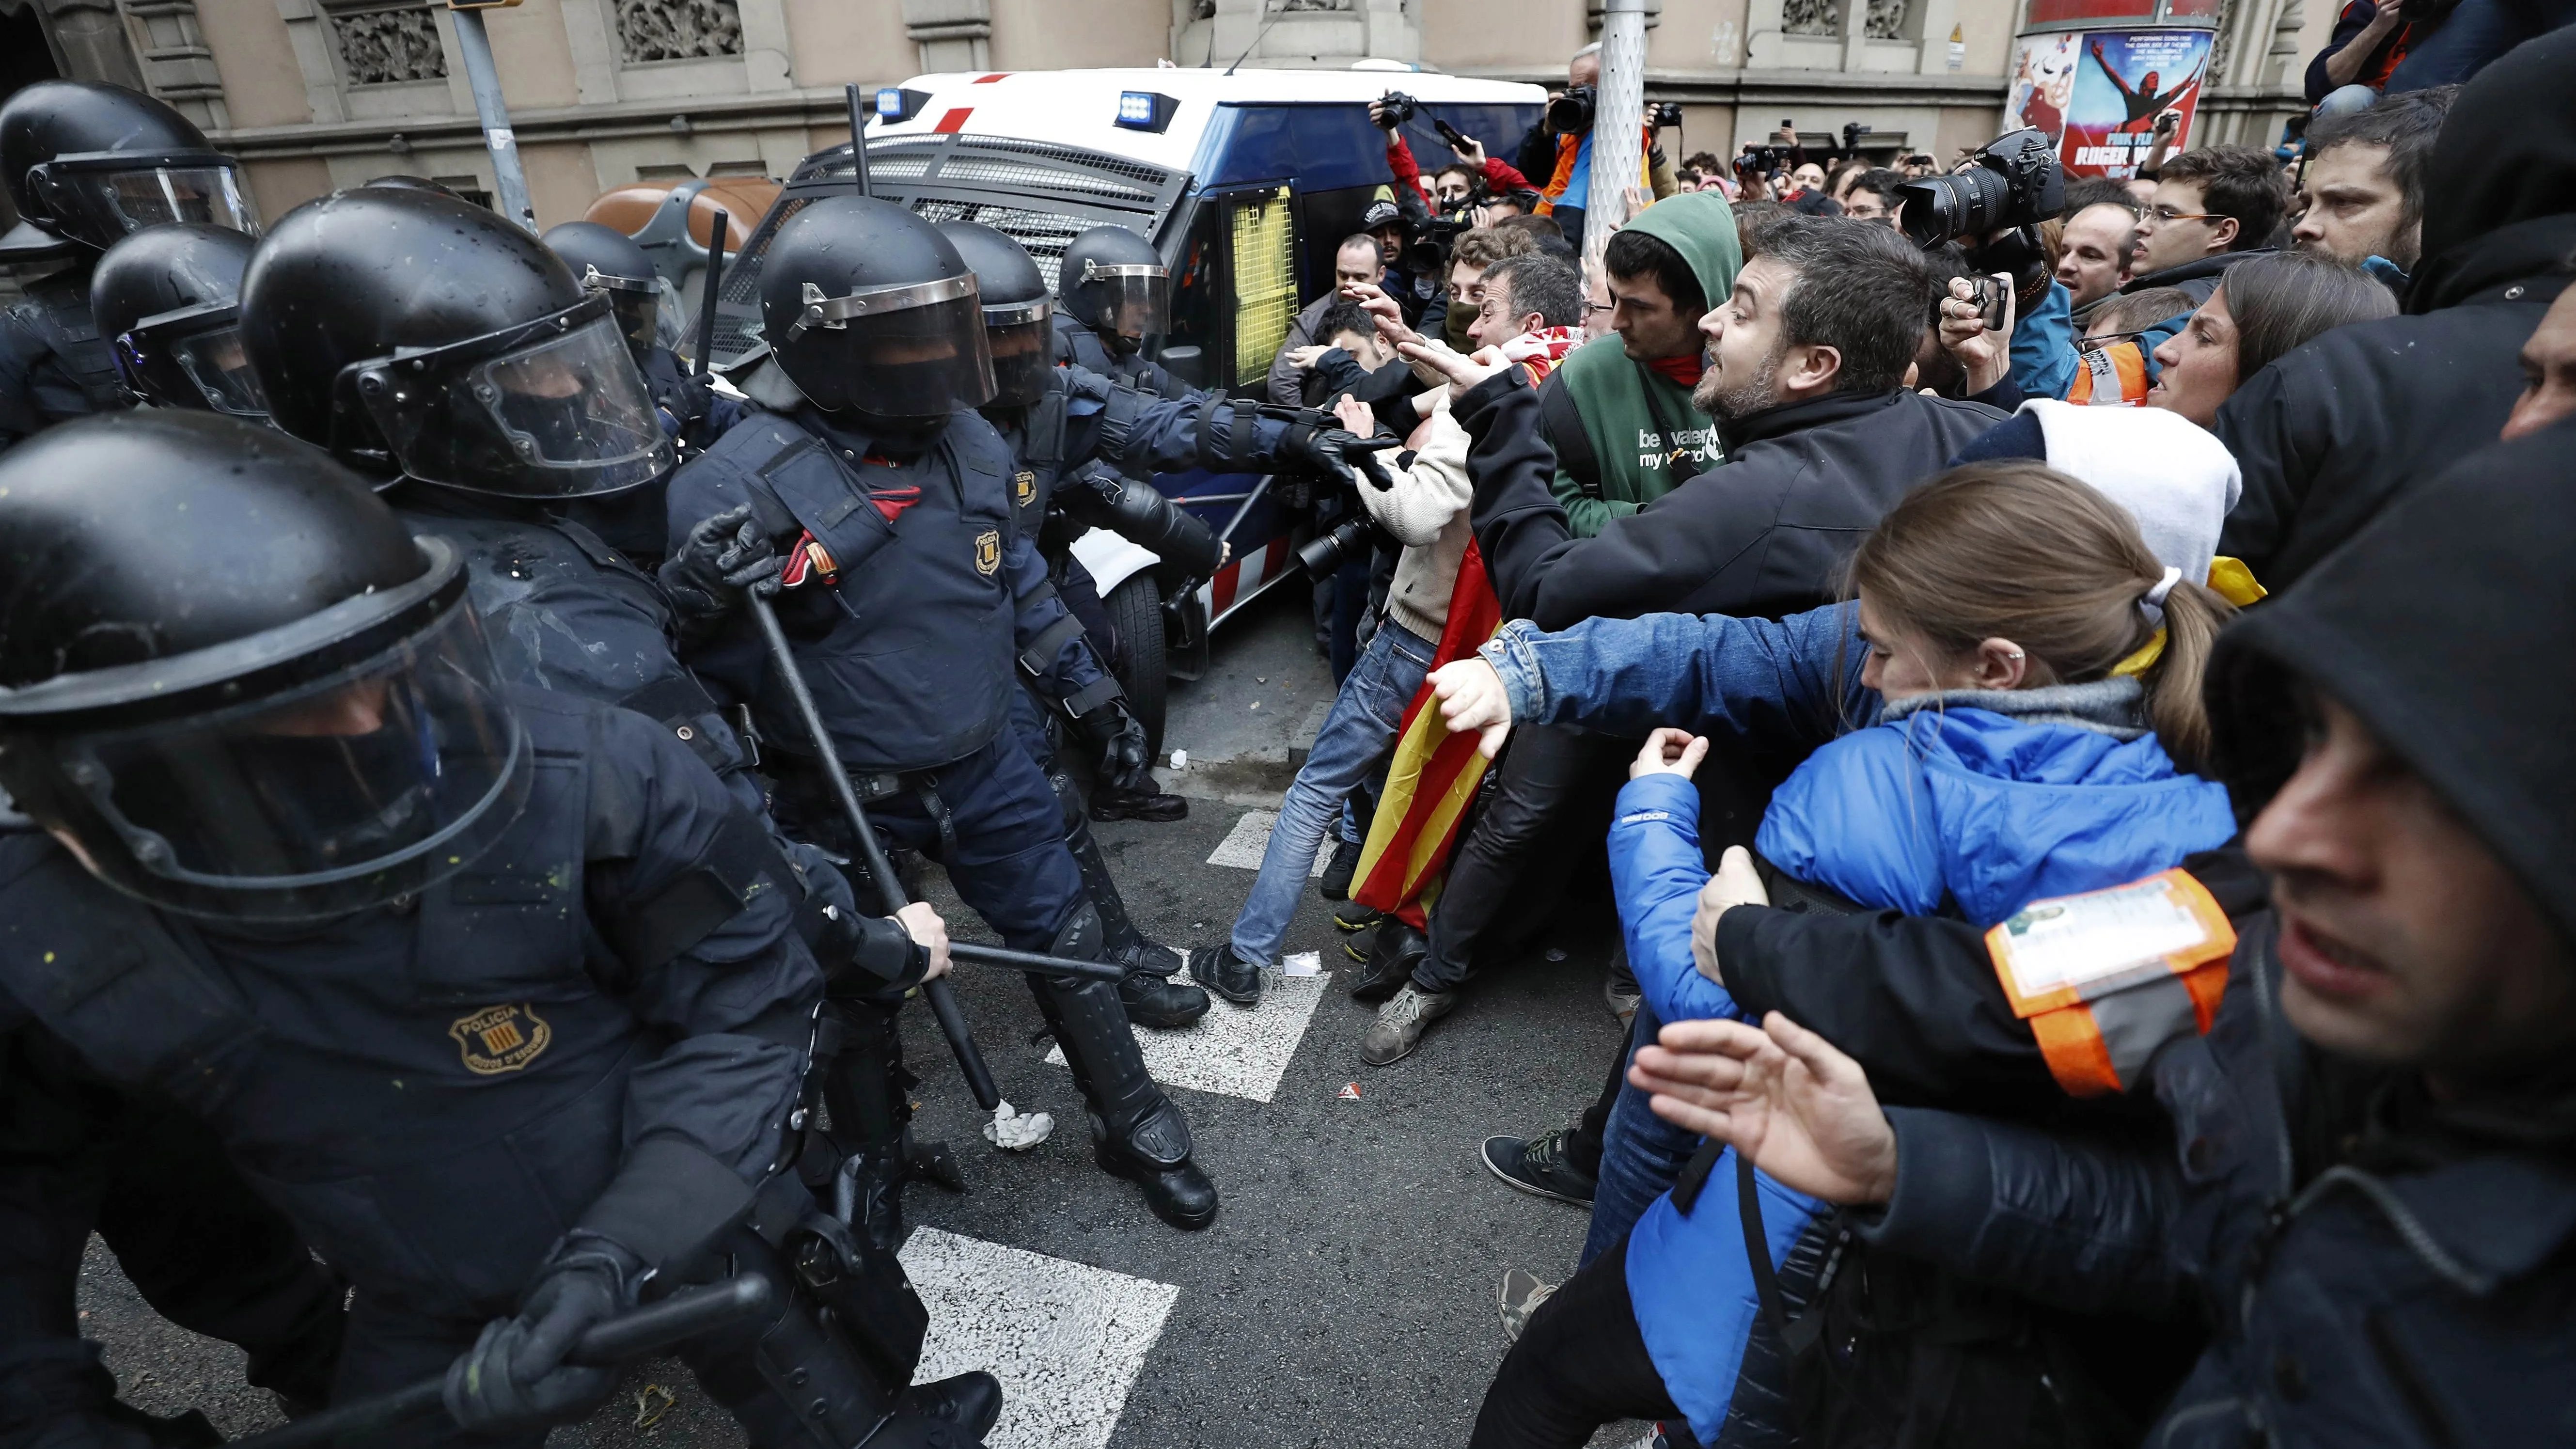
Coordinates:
(868, 309)
(1017, 311)
(402, 181)
(283, 710)
(608, 260)
(1115, 283)
(168, 300)
(88, 163)
(415, 335)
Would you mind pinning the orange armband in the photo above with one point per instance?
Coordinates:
(2107, 977)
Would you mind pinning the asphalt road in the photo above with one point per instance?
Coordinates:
(1346, 1294)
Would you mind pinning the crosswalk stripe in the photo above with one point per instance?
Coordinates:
(1238, 1051)
(1067, 1340)
(1250, 836)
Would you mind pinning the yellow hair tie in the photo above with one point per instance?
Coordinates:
(2231, 580)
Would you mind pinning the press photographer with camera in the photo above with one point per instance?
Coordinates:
(1992, 206)
(1560, 146)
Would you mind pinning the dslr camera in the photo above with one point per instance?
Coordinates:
(1852, 132)
(1570, 114)
(1426, 245)
(1354, 537)
(1396, 110)
(1761, 160)
(1660, 114)
(2014, 181)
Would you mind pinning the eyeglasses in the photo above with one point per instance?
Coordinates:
(2162, 214)
(1600, 306)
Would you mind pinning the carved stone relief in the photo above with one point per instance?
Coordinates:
(1812, 17)
(650, 30)
(1885, 20)
(388, 46)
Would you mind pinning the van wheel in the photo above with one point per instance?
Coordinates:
(1136, 612)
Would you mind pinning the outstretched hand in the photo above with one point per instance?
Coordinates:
(1472, 697)
(1783, 1097)
(1461, 372)
(1384, 311)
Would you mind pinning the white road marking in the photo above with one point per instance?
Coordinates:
(1066, 1340)
(1239, 1051)
(1250, 836)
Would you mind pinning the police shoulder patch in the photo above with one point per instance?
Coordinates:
(988, 551)
(1024, 486)
(500, 1039)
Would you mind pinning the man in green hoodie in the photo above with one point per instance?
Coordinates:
(1620, 417)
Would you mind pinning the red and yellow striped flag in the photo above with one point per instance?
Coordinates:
(1433, 774)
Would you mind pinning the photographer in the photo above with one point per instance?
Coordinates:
(1560, 147)
(1453, 186)
(1993, 205)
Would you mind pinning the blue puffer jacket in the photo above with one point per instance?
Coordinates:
(1951, 804)
(1946, 801)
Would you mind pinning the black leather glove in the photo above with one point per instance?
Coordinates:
(1336, 453)
(516, 1376)
(723, 556)
(1120, 738)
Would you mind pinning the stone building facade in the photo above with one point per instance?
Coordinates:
(315, 94)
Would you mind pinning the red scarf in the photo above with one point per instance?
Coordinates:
(1684, 370)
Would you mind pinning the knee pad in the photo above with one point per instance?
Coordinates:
(1081, 937)
(1068, 797)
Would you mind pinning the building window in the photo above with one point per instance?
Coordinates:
(652, 30)
(388, 45)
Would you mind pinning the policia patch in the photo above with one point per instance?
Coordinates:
(988, 551)
(500, 1039)
(1024, 486)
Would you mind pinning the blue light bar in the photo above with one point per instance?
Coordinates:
(1145, 110)
(890, 103)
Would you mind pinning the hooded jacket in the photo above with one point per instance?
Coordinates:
(1639, 423)
(2332, 432)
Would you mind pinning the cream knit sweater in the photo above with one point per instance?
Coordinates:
(1427, 513)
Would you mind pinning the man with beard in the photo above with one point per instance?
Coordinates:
(2361, 195)
(1807, 359)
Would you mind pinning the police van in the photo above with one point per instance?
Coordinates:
(1244, 180)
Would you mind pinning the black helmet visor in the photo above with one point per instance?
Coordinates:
(341, 794)
(1130, 299)
(103, 195)
(193, 358)
(913, 350)
(636, 302)
(1022, 340)
(554, 408)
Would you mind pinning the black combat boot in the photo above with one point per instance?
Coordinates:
(1136, 1132)
(972, 1401)
(1151, 996)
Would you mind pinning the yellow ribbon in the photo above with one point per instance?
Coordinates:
(2144, 659)
(2231, 580)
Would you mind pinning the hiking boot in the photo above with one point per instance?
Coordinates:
(1345, 863)
(1520, 1298)
(1149, 993)
(1391, 959)
(1401, 1022)
(1220, 970)
(1538, 1166)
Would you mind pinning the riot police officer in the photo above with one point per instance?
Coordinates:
(86, 164)
(914, 599)
(495, 991)
(515, 398)
(1114, 292)
(168, 301)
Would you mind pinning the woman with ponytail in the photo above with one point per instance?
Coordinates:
(2037, 675)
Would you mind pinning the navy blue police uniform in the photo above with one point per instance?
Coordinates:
(53, 364)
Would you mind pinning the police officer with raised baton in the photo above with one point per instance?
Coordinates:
(913, 601)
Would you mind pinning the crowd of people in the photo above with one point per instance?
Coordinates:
(2096, 952)
(2021, 748)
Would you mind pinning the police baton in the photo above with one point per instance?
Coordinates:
(677, 1319)
(715, 285)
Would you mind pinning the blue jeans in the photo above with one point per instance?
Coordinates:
(1642, 1155)
(1356, 736)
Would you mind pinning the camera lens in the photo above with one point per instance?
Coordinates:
(1571, 113)
(1323, 555)
(1938, 208)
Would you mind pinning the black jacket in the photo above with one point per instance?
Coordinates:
(1765, 534)
(2199, 278)
(2336, 430)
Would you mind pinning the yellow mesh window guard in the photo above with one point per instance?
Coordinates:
(1265, 285)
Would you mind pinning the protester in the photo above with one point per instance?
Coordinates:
(1355, 261)
(2116, 355)
(2333, 431)
(2212, 209)
(2548, 370)
(2262, 310)
(2004, 767)
(1469, 256)
(1871, 196)
(2379, 1191)
(1622, 426)
(2361, 193)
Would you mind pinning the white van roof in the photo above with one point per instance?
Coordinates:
(1080, 107)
